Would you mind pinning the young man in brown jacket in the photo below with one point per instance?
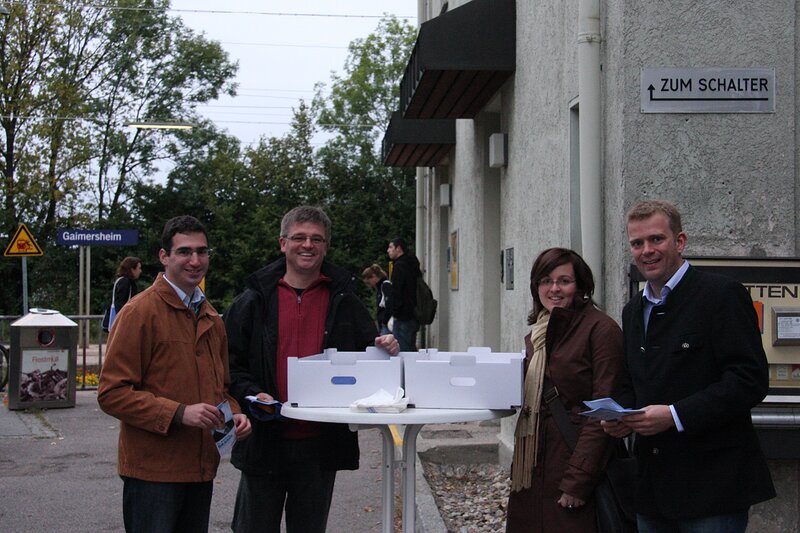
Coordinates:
(164, 376)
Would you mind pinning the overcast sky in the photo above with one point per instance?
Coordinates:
(281, 57)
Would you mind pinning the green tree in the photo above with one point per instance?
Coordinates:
(240, 196)
(72, 74)
(367, 202)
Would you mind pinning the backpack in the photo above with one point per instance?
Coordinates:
(425, 310)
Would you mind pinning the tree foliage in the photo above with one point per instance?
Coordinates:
(106, 66)
(72, 74)
(367, 202)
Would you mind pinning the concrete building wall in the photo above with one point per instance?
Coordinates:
(734, 176)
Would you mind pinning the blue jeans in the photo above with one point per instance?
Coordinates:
(405, 331)
(726, 523)
(297, 483)
(154, 507)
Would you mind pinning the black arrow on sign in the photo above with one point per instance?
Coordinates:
(703, 99)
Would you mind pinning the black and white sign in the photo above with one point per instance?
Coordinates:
(708, 90)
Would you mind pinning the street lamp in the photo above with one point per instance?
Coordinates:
(148, 125)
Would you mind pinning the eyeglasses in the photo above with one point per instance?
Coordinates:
(316, 240)
(561, 282)
(186, 253)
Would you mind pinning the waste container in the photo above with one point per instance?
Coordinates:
(44, 353)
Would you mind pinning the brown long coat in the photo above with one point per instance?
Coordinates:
(584, 361)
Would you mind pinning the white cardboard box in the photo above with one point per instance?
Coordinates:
(337, 379)
(475, 379)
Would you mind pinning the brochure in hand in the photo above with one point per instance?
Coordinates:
(225, 437)
(264, 410)
(607, 409)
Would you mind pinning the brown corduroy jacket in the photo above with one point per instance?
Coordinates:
(161, 356)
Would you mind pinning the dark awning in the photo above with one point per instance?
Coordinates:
(461, 58)
(417, 143)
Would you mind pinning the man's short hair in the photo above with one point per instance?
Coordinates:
(182, 224)
(647, 208)
(398, 242)
(306, 213)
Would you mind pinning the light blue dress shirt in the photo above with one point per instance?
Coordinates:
(650, 301)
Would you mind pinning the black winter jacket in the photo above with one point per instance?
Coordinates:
(404, 286)
(252, 326)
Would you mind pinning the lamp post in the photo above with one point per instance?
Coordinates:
(155, 125)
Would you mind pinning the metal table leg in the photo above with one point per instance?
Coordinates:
(388, 479)
(409, 477)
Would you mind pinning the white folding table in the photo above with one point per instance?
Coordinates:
(412, 420)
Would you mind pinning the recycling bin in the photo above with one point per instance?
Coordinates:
(42, 367)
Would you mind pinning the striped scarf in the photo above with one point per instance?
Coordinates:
(526, 436)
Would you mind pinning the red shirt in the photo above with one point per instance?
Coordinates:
(301, 326)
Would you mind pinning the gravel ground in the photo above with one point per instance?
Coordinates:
(471, 498)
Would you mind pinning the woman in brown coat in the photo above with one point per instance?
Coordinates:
(579, 349)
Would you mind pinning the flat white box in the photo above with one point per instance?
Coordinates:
(475, 379)
(337, 379)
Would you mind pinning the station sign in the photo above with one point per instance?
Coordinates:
(707, 90)
(97, 237)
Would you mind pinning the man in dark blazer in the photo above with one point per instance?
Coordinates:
(697, 367)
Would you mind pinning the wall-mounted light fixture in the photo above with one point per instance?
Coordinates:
(444, 195)
(498, 150)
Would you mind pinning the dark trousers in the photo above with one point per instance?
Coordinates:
(297, 483)
(405, 331)
(728, 523)
(154, 507)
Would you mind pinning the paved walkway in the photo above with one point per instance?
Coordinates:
(58, 474)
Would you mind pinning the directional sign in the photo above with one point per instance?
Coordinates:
(97, 237)
(23, 244)
(707, 90)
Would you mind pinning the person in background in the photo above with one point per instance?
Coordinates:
(577, 349)
(293, 307)
(129, 270)
(405, 271)
(165, 373)
(375, 278)
(697, 365)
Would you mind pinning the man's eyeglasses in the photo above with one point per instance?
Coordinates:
(186, 253)
(316, 240)
(561, 282)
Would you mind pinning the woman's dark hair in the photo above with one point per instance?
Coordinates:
(547, 261)
(127, 265)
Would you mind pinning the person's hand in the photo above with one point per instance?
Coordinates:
(264, 397)
(388, 343)
(569, 502)
(616, 428)
(202, 415)
(242, 425)
(654, 420)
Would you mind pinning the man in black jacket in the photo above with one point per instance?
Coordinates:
(296, 306)
(405, 271)
(697, 367)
